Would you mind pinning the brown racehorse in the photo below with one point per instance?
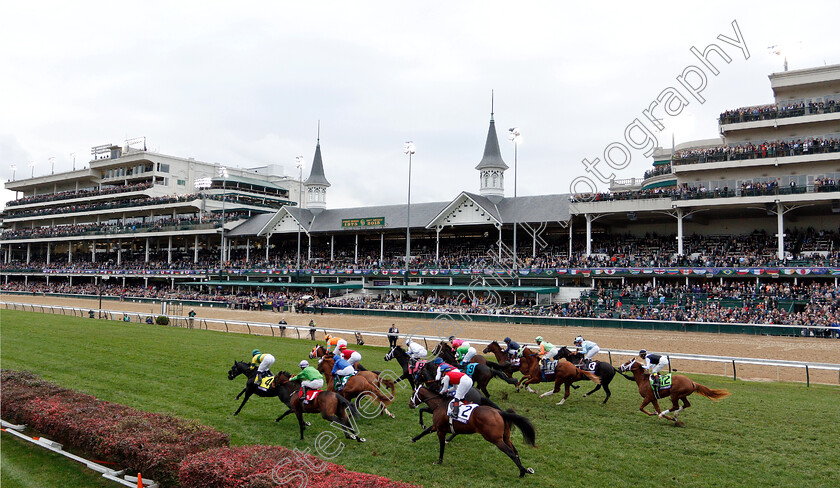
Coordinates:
(681, 387)
(332, 407)
(374, 377)
(502, 358)
(565, 373)
(357, 385)
(492, 424)
(444, 348)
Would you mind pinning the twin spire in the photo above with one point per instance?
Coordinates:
(317, 184)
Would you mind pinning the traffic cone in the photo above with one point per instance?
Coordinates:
(139, 480)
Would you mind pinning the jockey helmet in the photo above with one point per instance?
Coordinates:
(578, 339)
(255, 352)
(457, 343)
(642, 352)
(507, 339)
(304, 364)
(408, 341)
(437, 361)
(538, 339)
(327, 337)
(342, 347)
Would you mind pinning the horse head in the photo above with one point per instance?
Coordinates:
(629, 365)
(391, 354)
(492, 347)
(234, 371)
(314, 352)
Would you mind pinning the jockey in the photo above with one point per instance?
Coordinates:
(442, 368)
(342, 370)
(513, 348)
(547, 350)
(262, 362)
(464, 353)
(655, 363)
(349, 355)
(334, 343)
(415, 351)
(587, 348)
(310, 378)
(463, 384)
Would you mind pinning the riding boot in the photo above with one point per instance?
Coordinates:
(456, 406)
(656, 381)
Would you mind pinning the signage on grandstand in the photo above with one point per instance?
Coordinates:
(369, 222)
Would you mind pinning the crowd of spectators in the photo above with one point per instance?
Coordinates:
(84, 193)
(749, 150)
(106, 205)
(774, 111)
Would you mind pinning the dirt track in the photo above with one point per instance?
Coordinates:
(768, 347)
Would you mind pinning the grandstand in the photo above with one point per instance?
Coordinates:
(756, 210)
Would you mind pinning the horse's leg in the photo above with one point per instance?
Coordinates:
(644, 404)
(566, 394)
(442, 440)
(450, 438)
(244, 401)
(659, 412)
(241, 392)
(607, 391)
(299, 415)
(422, 434)
(483, 386)
(597, 387)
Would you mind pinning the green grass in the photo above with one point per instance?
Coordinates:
(765, 434)
(28, 466)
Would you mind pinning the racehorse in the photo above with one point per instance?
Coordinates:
(502, 357)
(320, 351)
(332, 407)
(405, 362)
(445, 348)
(565, 373)
(356, 385)
(493, 424)
(604, 371)
(276, 390)
(482, 374)
(681, 387)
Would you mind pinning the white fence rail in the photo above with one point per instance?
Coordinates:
(307, 332)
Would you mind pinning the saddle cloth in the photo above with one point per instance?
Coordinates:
(464, 411)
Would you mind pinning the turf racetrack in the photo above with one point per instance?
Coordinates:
(765, 434)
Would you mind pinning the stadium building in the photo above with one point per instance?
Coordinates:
(761, 202)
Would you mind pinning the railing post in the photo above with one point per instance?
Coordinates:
(226, 327)
(272, 330)
(734, 373)
(609, 354)
(669, 363)
(807, 377)
(249, 327)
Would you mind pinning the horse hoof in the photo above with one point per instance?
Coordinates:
(679, 423)
(361, 439)
(307, 424)
(584, 395)
(438, 462)
(530, 470)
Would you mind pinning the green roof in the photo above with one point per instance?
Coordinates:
(662, 162)
(273, 284)
(244, 180)
(660, 184)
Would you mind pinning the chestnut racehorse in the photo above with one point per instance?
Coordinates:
(502, 358)
(565, 373)
(681, 387)
(332, 407)
(357, 385)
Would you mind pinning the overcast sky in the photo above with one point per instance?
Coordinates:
(244, 84)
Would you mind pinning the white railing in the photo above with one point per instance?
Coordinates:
(267, 328)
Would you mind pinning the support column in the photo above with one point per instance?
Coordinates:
(356, 251)
(267, 239)
(69, 251)
(588, 235)
(195, 250)
(309, 247)
(119, 253)
(780, 216)
(332, 248)
(28, 251)
(534, 250)
(437, 247)
(93, 251)
(169, 251)
(500, 243)
(147, 249)
(247, 250)
(571, 228)
(381, 248)
(680, 232)
(48, 253)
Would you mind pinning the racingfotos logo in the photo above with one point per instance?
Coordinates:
(671, 101)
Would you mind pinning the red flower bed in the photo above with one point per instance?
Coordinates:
(272, 467)
(153, 444)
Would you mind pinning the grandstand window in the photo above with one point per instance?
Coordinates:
(163, 167)
(182, 182)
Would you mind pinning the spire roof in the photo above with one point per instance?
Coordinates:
(492, 155)
(316, 175)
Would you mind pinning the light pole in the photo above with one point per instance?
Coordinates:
(74, 160)
(223, 172)
(52, 165)
(13, 167)
(409, 149)
(299, 161)
(515, 137)
(32, 165)
(202, 184)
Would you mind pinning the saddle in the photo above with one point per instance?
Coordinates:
(265, 381)
(548, 367)
(309, 396)
(659, 383)
(415, 367)
(340, 381)
(469, 369)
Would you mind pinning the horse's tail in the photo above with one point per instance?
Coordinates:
(592, 377)
(348, 405)
(523, 423)
(390, 385)
(494, 365)
(711, 393)
(362, 368)
(507, 379)
(489, 403)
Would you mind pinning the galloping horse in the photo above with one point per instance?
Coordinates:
(320, 351)
(604, 371)
(445, 348)
(356, 385)
(482, 374)
(276, 390)
(565, 373)
(492, 424)
(402, 358)
(332, 407)
(502, 357)
(681, 387)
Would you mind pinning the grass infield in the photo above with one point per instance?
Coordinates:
(765, 434)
